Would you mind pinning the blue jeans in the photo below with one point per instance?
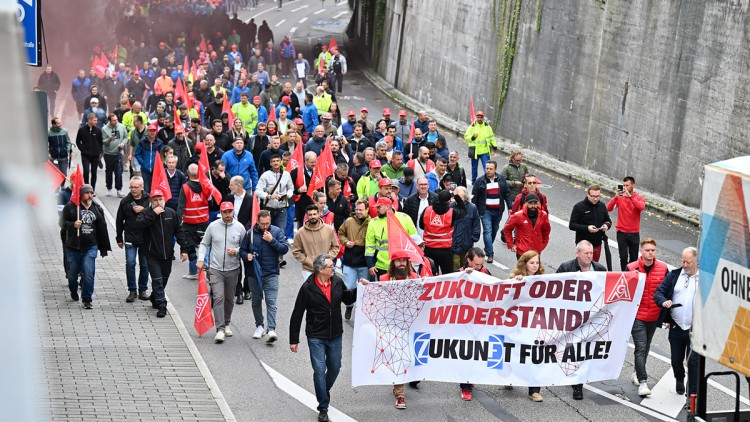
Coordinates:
(271, 292)
(474, 161)
(352, 276)
(82, 261)
(278, 217)
(490, 226)
(289, 229)
(131, 251)
(325, 356)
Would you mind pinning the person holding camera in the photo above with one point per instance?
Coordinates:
(590, 220)
(115, 137)
(629, 206)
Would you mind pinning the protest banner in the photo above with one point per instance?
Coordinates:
(557, 329)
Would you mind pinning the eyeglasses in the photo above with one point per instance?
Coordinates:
(594, 196)
(330, 266)
(531, 183)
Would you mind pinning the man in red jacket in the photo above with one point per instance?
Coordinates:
(532, 228)
(530, 186)
(630, 205)
(647, 317)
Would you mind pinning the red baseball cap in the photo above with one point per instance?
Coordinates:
(480, 113)
(402, 112)
(364, 109)
(299, 121)
(226, 206)
(384, 201)
(399, 254)
(256, 98)
(156, 192)
(386, 112)
(351, 113)
(153, 126)
(375, 164)
(384, 182)
(285, 99)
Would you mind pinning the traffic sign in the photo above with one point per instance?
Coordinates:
(30, 17)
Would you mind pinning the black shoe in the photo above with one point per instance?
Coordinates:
(144, 296)
(323, 416)
(680, 387)
(240, 300)
(154, 305)
(577, 392)
(282, 263)
(74, 296)
(161, 313)
(490, 258)
(248, 296)
(348, 313)
(414, 384)
(131, 297)
(87, 304)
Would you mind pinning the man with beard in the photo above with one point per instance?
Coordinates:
(127, 213)
(183, 149)
(275, 187)
(314, 238)
(85, 232)
(223, 237)
(192, 207)
(101, 115)
(532, 228)
(376, 239)
(160, 226)
(352, 236)
(301, 204)
(128, 117)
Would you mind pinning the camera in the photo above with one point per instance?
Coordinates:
(620, 188)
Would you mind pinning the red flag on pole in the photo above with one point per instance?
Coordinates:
(256, 210)
(177, 121)
(226, 107)
(332, 44)
(203, 169)
(137, 71)
(398, 239)
(54, 173)
(471, 111)
(204, 318)
(186, 100)
(185, 66)
(411, 131)
(325, 167)
(99, 65)
(77, 179)
(202, 45)
(272, 115)
(159, 179)
(179, 94)
(193, 72)
(297, 162)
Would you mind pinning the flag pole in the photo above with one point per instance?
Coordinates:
(78, 230)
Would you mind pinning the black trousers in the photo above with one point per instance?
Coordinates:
(627, 246)
(338, 82)
(443, 258)
(242, 280)
(90, 166)
(679, 344)
(113, 170)
(159, 270)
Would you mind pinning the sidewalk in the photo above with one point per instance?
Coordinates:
(116, 361)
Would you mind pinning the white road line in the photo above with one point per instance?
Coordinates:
(631, 405)
(302, 20)
(499, 265)
(226, 411)
(303, 396)
(560, 221)
(300, 8)
(340, 14)
(319, 11)
(291, 31)
(663, 397)
(260, 13)
(711, 382)
(280, 22)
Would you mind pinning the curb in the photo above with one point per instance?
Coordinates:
(654, 202)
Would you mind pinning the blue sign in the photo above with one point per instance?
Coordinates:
(29, 16)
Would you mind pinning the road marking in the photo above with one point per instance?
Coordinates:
(280, 22)
(226, 411)
(302, 20)
(319, 11)
(291, 31)
(340, 14)
(629, 404)
(260, 13)
(711, 382)
(300, 8)
(501, 266)
(303, 396)
(663, 398)
(560, 221)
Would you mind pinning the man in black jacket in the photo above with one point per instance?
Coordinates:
(417, 203)
(213, 109)
(160, 225)
(590, 219)
(491, 195)
(84, 232)
(49, 82)
(90, 142)
(582, 263)
(130, 206)
(320, 297)
(679, 287)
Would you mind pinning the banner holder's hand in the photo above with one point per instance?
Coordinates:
(364, 282)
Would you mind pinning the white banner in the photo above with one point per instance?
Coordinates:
(556, 329)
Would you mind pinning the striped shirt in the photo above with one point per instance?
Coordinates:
(493, 194)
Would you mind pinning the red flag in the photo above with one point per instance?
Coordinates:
(115, 53)
(54, 173)
(471, 111)
(325, 167)
(179, 94)
(398, 239)
(256, 210)
(204, 318)
(297, 162)
(202, 45)
(99, 65)
(411, 131)
(77, 179)
(332, 44)
(136, 70)
(226, 107)
(271, 115)
(203, 168)
(193, 72)
(185, 66)
(186, 100)
(159, 179)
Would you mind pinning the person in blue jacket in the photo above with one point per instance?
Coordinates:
(310, 114)
(145, 155)
(240, 162)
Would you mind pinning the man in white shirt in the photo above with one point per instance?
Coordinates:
(676, 295)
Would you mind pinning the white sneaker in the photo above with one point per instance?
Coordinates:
(219, 337)
(635, 380)
(120, 194)
(643, 390)
(272, 337)
(228, 332)
(190, 276)
(109, 192)
(258, 332)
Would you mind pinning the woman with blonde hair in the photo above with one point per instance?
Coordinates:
(529, 265)
(238, 131)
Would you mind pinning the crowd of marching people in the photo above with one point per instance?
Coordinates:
(230, 155)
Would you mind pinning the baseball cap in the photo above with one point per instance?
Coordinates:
(351, 113)
(444, 196)
(399, 254)
(326, 116)
(532, 198)
(384, 182)
(402, 112)
(386, 112)
(86, 189)
(286, 99)
(226, 206)
(384, 201)
(179, 129)
(394, 184)
(153, 126)
(364, 109)
(480, 113)
(256, 98)
(375, 164)
(156, 192)
(299, 121)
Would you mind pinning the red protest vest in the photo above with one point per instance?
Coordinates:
(196, 207)
(438, 232)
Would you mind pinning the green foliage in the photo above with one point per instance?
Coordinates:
(380, 9)
(508, 51)
(538, 15)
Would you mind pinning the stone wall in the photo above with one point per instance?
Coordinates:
(648, 88)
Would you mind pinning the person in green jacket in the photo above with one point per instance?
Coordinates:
(481, 139)
(515, 173)
(395, 168)
(368, 183)
(376, 239)
(246, 112)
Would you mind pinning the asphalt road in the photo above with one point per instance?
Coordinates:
(238, 364)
